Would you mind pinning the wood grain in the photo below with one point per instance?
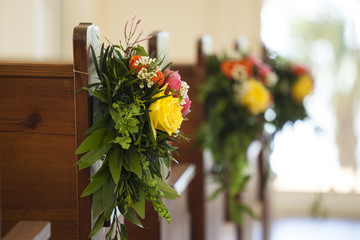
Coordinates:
(25, 230)
(37, 144)
(82, 123)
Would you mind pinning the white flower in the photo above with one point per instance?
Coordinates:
(239, 72)
(184, 88)
(271, 79)
(143, 73)
(151, 75)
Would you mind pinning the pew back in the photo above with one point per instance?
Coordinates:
(37, 144)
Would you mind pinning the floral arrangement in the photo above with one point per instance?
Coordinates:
(143, 107)
(295, 83)
(236, 96)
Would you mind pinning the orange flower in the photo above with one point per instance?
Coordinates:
(226, 67)
(159, 78)
(248, 66)
(133, 64)
(300, 70)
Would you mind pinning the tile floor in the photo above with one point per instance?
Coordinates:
(304, 229)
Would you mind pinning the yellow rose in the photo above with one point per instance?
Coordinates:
(301, 88)
(165, 113)
(256, 97)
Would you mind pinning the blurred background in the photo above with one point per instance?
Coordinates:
(315, 181)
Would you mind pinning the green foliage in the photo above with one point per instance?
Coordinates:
(132, 157)
(285, 108)
(227, 132)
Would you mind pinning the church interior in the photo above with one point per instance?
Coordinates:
(298, 179)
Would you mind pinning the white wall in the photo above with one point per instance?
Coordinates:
(42, 29)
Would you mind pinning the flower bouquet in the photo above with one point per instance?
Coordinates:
(143, 107)
(236, 97)
(295, 83)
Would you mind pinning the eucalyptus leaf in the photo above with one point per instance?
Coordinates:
(98, 225)
(92, 156)
(97, 182)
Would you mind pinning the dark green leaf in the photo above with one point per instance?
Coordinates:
(98, 225)
(166, 67)
(95, 140)
(115, 163)
(135, 166)
(102, 123)
(100, 95)
(92, 156)
(97, 181)
(97, 202)
(131, 216)
(110, 232)
(139, 206)
(108, 197)
(95, 61)
(123, 233)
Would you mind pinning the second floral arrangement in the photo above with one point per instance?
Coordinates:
(236, 96)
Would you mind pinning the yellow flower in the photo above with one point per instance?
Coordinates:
(301, 88)
(256, 97)
(165, 113)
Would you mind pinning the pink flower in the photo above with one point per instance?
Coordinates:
(186, 106)
(173, 80)
(263, 71)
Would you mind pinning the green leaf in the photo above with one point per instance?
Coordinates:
(109, 198)
(102, 175)
(123, 232)
(95, 140)
(108, 88)
(139, 206)
(131, 216)
(98, 225)
(236, 211)
(115, 163)
(95, 60)
(110, 232)
(135, 166)
(91, 157)
(140, 50)
(102, 123)
(123, 141)
(100, 95)
(216, 193)
(169, 192)
(97, 202)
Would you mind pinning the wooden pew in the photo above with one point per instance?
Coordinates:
(42, 122)
(29, 230)
(38, 177)
(189, 152)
